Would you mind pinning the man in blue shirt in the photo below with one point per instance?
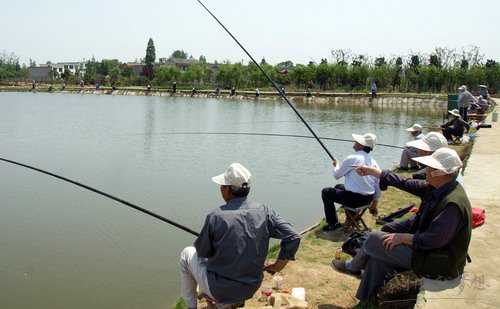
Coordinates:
(227, 260)
(358, 190)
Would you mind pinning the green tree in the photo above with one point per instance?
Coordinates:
(164, 76)
(179, 54)
(149, 60)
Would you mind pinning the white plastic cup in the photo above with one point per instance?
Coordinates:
(299, 293)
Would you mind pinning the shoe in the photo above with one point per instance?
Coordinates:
(340, 266)
(330, 227)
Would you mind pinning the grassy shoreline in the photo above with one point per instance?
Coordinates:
(141, 90)
(326, 288)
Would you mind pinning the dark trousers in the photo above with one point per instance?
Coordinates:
(463, 112)
(379, 264)
(449, 132)
(340, 195)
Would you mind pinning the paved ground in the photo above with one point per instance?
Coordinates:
(481, 285)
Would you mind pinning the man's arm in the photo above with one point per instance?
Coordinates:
(345, 167)
(290, 241)
(387, 178)
(440, 232)
(203, 243)
(413, 186)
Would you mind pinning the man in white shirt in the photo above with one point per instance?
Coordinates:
(410, 152)
(357, 190)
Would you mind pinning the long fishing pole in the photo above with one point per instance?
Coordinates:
(270, 134)
(119, 200)
(280, 92)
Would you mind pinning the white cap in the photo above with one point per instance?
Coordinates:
(415, 128)
(236, 175)
(462, 88)
(432, 141)
(367, 140)
(454, 112)
(443, 159)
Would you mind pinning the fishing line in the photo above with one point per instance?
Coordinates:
(273, 135)
(119, 200)
(280, 92)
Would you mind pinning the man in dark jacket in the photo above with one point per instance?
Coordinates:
(433, 243)
(456, 127)
(227, 260)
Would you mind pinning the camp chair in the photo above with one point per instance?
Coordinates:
(354, 218)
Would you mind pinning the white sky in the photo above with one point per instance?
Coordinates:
(297, 30)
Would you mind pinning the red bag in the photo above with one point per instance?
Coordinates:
(478, 217)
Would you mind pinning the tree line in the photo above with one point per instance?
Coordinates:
(442, 70)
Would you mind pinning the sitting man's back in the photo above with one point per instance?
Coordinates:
(230, 253)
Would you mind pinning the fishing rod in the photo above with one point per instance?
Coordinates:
(119, 200)
(280, 92)
(271, 134)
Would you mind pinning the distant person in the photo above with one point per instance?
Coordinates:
(174, 87)
(148, 88)
(464, 100)
(257, 93)
(481, 106)
(283, 90)
(233, 92)
(455, 128)
(193, 91)
(374, 89)
(33, 85)
(409, 153)
(483, 91)
(217, 91)
(97, 86)
(113, 87)
(308, 92)
(63, 86)
(357, 190)
(82, 83)
(227, 259)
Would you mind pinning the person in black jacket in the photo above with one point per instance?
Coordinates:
(456, 127)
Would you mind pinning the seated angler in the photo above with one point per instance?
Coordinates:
(410, 152)
(227, 260)
(426, 146)
(433, 243)
(455, 128)
(358, 190)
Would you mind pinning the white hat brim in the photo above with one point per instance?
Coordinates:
(430, 161)
(419, 144)
(452, 113)
(359, 139)
(220, 180)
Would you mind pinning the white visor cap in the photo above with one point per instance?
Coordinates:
(443, 159)
(432, 141)
(415, 128)
(236, 175)
(367, 140)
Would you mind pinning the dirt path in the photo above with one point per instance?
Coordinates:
(481, 285)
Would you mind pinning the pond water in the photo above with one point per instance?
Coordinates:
(64, 247)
